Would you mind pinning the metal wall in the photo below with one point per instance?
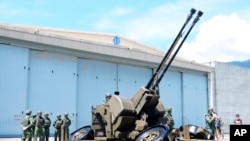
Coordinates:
(171, 95)
(94, 81)
(187, 95)
(52, 84)
(195, 97)
(13, 87)
(59, 83)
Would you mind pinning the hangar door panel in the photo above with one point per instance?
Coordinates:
(195, 98)
(53, 84)
(13, 88)
(131, 79)
(171, 95)
(95, 80)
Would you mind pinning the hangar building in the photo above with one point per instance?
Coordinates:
(58, 71)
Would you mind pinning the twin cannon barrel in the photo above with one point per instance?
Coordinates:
(137, 118)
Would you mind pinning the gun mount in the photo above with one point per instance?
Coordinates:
(138, 118)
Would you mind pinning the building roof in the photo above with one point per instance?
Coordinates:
(100, 38)
(87, 45)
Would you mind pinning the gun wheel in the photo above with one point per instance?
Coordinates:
(156, 133)
(82, 133)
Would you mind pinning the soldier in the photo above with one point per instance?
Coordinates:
(57, 124)
(169, 118)
(107, 97)
(39, 123)
(210, 122)
(26, 124)
(46, 126)
(33, 126)
(65, 126)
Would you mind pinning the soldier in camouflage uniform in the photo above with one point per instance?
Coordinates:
(39, 123)
(57, 124)
(210, 122)
(33, 126)
(169, 118)
(26, 124)
(65, 126)
(47, 123)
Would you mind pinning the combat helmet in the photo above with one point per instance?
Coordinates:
(108, 95)
(28, 112)
(210, 109)
(66, 114)
(169, 109)
(39, 113)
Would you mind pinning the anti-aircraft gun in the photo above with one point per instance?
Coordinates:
(138, 118)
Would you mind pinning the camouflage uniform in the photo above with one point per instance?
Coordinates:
(210, 122)
(65, 126)
(169, 118)
(33, 126)
(57, 124)
(26, 124)
(39, 123)
(47, 123)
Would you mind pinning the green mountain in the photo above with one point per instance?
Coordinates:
(245, 64)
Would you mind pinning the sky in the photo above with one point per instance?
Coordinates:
(221, 34)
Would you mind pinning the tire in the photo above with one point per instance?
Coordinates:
(83, 133)
(155, 133)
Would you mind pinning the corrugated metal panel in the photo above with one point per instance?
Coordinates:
(171, 95)
(131, 79)
(95, 80)
(13, 88)
(195, 100)
(53, 84)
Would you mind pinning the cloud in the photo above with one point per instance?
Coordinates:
(221, 35)
(160, 22)
(112, 19)
(23, 10)
(120, 11)
(222, 38)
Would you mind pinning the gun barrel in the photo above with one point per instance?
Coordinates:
(154, 78)
(199, 14)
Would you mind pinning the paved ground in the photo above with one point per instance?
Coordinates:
(226, 138)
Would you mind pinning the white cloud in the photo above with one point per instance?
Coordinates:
(222, 38)
(221, 34)
(161, 23)
(111, 19)
(120, 11)
(11, 10)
